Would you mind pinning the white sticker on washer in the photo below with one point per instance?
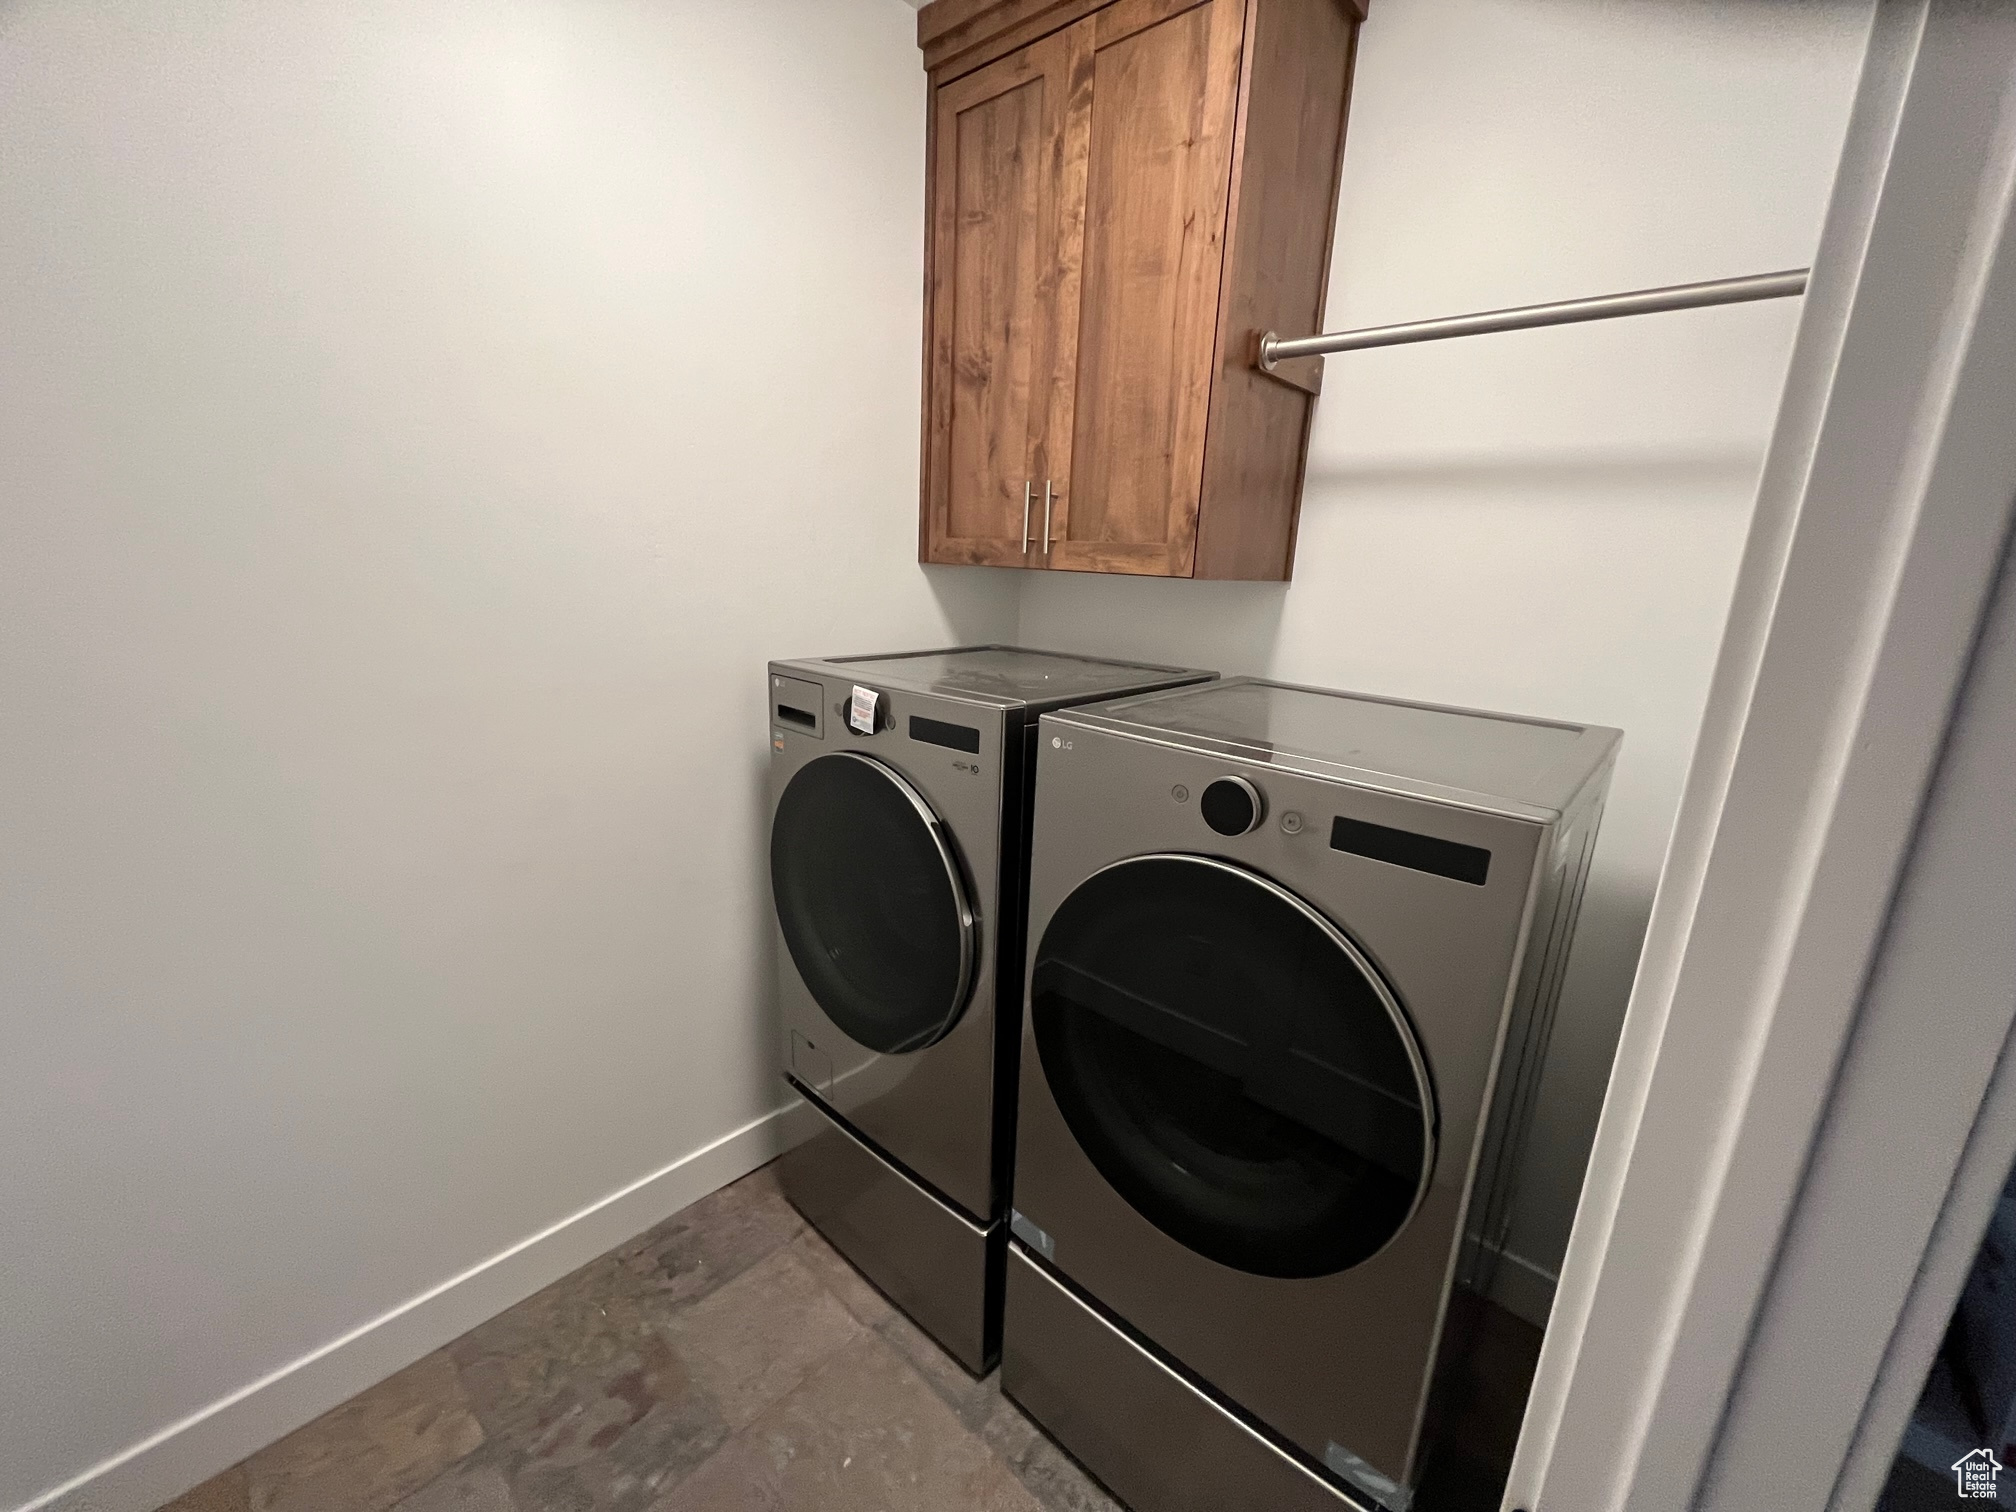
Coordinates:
(861, 710)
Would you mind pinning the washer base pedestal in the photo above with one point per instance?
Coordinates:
(1157, 1442)
(931, 1260)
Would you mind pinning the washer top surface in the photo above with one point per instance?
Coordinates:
(1003, 674)
(1464, 754)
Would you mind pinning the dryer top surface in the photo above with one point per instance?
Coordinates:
(1004, 675)
(1499, 758)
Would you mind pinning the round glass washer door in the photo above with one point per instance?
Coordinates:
(872, 903)
(1233, 1065)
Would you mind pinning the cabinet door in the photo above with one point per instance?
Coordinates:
(1151, 123)
(993, 305)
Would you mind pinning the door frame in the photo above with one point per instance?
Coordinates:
(1732, 1313)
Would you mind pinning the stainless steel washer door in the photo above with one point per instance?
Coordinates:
(871, 903)
(1233, 1065)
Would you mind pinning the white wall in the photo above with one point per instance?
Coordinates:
(418, 423)
(1547, 522)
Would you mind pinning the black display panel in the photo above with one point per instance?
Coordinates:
(937, 732)
(1232, 1065)
(1424, 853)
(871, 903)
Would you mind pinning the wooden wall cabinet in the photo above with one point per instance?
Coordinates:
(1122, 195)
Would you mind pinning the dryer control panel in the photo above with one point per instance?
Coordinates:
(1232, 806)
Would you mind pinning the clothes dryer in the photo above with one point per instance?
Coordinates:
(1294, 957)
(898, 850)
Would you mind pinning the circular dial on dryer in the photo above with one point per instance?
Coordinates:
(871, 902)
(1232, 806)
(1233, 1065)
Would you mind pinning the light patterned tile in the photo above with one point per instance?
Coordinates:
(756, 1338)
(838, 1275)
(709, 1244)
(863, 1433)
(374, 1450)
(469, 1487)
(520, 1366)
(617, 1438)
(1057, 1483)
(972, 1400)
(617, 1390)
(1008, 1431)
(222, 1493)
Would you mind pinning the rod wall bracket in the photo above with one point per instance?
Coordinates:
(1304, 373)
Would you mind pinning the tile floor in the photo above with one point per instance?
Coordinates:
(727, 1359)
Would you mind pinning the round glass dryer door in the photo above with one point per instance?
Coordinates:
(1233, 1065)
(871, 902)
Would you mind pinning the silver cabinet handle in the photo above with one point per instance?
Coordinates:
(1046, 517)
(1026, 488)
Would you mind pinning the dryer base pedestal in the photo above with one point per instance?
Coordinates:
(930, 1259)
(1158, 1443)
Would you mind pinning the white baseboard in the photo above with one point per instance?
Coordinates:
(185, 1454)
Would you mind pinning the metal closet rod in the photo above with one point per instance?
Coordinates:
(1716, 291)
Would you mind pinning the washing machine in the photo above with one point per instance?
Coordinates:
(900, 790)
(1294, 957)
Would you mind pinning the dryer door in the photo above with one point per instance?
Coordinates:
(872, 905)
(1233, 1065)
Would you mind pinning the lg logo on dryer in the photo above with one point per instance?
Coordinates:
(970, 768)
